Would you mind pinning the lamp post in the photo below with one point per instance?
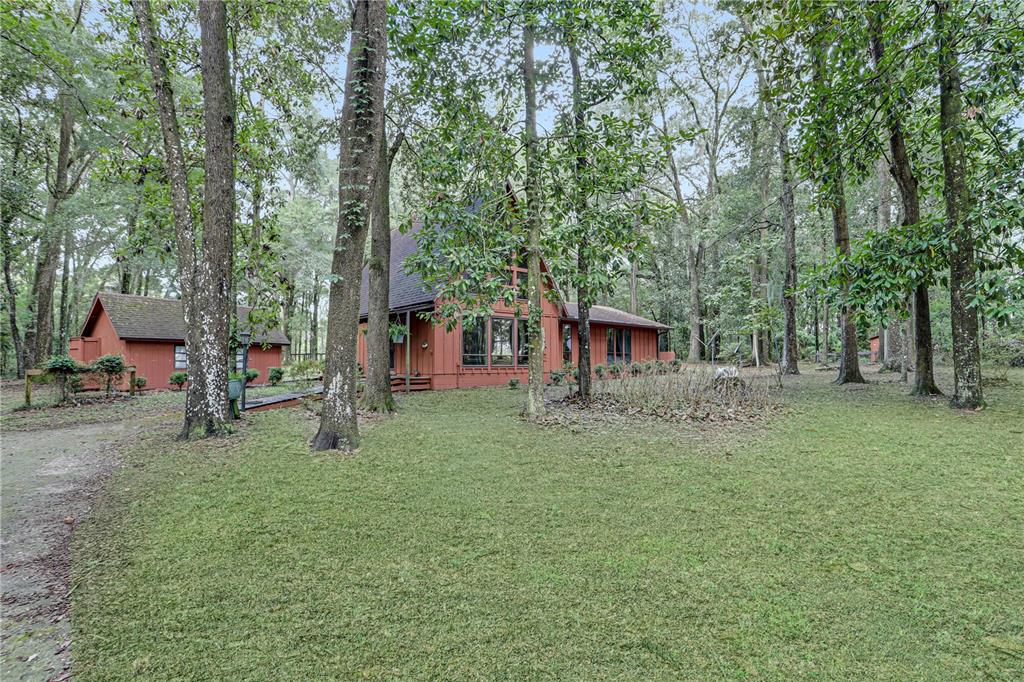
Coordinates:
(244, 338)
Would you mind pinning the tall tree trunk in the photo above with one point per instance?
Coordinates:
(826, 312)
(39, 335)
(65, 294)
(287, 308)
(204, 276)
(790, 350)
(906, 182)
(377, 393)
(9, 206)
(314, 318)
(535, 329)
(358, 167)
(849, 363)
(967, 391)
(583, 291)
(694, 266)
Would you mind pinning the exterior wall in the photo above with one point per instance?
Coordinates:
(441, 360)
(875, 348)
(421, 359)
(643, 344)
(155, 361)
(152, 359)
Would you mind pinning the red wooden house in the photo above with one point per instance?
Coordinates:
(150, 334)
(493, 352)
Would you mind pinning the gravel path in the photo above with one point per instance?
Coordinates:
(47, 480)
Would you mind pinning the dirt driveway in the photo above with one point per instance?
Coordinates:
(47, 479)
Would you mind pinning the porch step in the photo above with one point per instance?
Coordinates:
(420, 383)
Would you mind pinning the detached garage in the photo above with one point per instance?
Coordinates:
(150, 334)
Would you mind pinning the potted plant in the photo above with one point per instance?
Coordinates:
(397, 332)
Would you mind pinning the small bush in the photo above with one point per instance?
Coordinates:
(676, 364)
(178, 379)
(557, 377)
(112, 367)
(251, 375)
(275, 375)
(513, 383)
(140, 383)
(599, 370)
(64, 367)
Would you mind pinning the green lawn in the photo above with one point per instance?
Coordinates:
(860, 535)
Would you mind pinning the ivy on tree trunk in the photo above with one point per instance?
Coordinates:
(358, 167)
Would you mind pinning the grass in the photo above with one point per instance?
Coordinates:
(93, 408)
(861, 535)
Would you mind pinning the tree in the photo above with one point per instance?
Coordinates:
(358, 168)
(204, 261)
(907, 183)
(377, 393)
(535, 377)
(967, 392)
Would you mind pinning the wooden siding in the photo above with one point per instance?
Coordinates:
(152, 359)
(643, 343)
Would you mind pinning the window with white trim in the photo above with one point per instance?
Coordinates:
(180, 358)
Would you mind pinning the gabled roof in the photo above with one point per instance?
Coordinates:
(159, 319)
(407, 290)
(602, 314)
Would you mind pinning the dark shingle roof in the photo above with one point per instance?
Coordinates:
(603, 314)
(406, 290)
(144, 317)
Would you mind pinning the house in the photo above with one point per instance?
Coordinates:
(493, 352)
(150, 334)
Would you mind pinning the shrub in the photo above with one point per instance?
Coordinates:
(251, 375)
(636, 369)
(112, 367)
(676, 364)
(513, 383)
(63, 367)
(557, 376)
(178, 379)
(275, 375)
(140, 383)
(599, 371)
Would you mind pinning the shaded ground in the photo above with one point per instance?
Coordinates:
(861, 534)
(93, 407)
(48, 479)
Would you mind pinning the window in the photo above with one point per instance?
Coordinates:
(567, 343)
(620, 346)
(501, 341)
(522, 341)
(522, 286)
(238, 359)
(663, 342)
(474, 343)
(180, 358)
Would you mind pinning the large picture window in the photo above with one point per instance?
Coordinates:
(612, 334)
(180, 358)
(501, 341)
(567, 343)
(627, 345)
(474, 343)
